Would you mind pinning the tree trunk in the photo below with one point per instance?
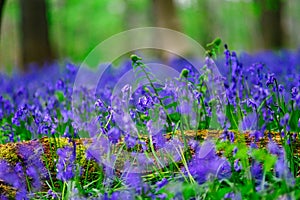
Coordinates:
(2, 2)
(165, 14)
(271, 23)
(34, 33)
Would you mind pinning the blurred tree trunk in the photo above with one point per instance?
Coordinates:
(35, 42)
(1, 11)
(165, 14)
(271, 25)
(208, 29)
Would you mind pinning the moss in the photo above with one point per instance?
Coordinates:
(90, 169)
(8, 152)
(7, 190)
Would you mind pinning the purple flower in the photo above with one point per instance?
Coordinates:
(274, 148)
(114, 135)
(294, 92)
(229, 195)
(256, 170)
(133, 180)
(161, 184)
(249, 122)
(32, 154)
(145, 102)
(51, 194)
(252, 103)
(159, 140)
(130, 141)
(237, 166)
(32, 172)
(3, 197)
(227, 135)
(66, 163)
(253, 145)
(270, 80)
(98, 148)
(206, 163)
(60, 85)
(14, 177)
(123, 194)
(280, 88)
(285, 119)
(232, 195)
(227, 55)
(258, 135)
(282, 171)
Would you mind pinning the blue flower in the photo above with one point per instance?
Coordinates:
(271, 79)
(256, 170)
(14, 177)
(114, 135)
(32, 155)
(161, 184)
(206, 163)
(66, 163)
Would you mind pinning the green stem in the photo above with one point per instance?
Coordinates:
(142, 65)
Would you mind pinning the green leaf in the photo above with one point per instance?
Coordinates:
(175, 117)
(189, 191)
(60, 96)
(173, 104)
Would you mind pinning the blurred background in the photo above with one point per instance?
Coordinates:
(41, 31)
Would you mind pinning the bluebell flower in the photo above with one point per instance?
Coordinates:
(253, 145)
(114, 135)
(235, 149)
(258, 135)
(100, 105)
(294, 92)
(233, 196)
(3, 197)
(145, 102)
(256, 170)
(270, 79)
(32, 172)
(227, 55)
(14, 177)
(159, 140)
(32, 156)
(133, 180)
(285, 119)
(66, 163)
(161, 184)
(130, 141)
(237, 166)
(249, 122)
(51, 194)
(274, 148)
(123, 194)
(282, 171)
(252, 103)
(60, 85)
(206, 163)
(227, 135)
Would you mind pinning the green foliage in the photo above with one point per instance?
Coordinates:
(213, 48)
(264, 157)
(60, 96)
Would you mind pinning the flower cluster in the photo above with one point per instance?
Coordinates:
(253, 103)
